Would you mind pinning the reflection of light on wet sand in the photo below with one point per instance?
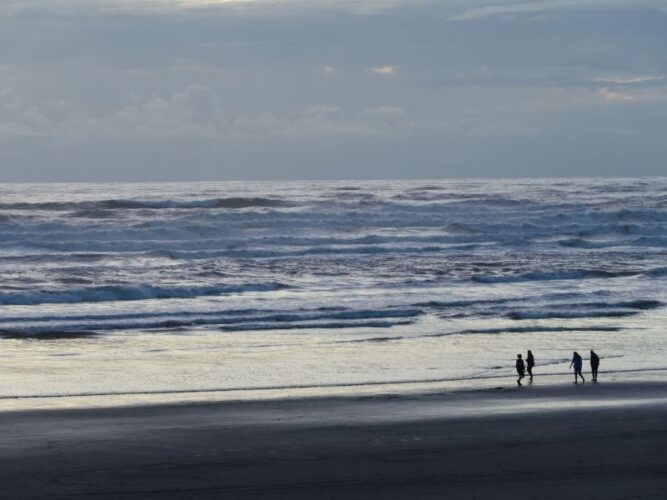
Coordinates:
(455, 397)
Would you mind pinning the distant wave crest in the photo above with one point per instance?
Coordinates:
(129, 292)
(86, 208)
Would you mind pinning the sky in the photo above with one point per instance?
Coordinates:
(171, 90)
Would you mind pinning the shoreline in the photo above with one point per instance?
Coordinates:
(315, 391)
(417, 405)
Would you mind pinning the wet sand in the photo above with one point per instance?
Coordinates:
(593, 441)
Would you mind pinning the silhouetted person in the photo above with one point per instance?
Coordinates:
(520, 368)
(595, 364)
(530, 363)
(577, 363)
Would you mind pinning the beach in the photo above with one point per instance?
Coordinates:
(602, 440)
(333, 249)
(332, 339)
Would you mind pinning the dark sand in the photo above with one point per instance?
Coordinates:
(594, 441)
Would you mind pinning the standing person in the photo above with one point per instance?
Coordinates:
(520, 368)
(595, 364)
(577, 363)
(530, 362)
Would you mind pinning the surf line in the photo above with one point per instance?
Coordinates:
(288, 387)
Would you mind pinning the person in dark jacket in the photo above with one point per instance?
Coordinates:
(577, 362)
(595, 364)
(530, 363)
(520, 368)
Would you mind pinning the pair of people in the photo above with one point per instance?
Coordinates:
(521, 366)
(577, 363)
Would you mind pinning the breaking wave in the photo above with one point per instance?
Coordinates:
(93, 208)
(230, 320)
(577, 274)
(130, 293)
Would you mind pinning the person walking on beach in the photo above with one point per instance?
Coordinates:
(530, 363)
(520, 368)
(595, 364)
(577, 363)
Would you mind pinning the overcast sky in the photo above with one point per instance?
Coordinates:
(98, 90)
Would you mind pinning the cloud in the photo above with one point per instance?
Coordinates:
(476, 13)
(384, 70)
(21, 118)
(325, 121)
(194, 113)
(509, 8)
(358, 7)
(197, 114)
(633, 95)
(610, 95)
(191, 113)
(628, 80)
(371, 7)
(205, 3)
(632, 88)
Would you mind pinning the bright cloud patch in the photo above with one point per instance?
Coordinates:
(384, 70)
(628, 80)
(634, 95)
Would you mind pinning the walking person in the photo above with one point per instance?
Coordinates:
(530, 363)
(520, 368)
(577, 362)
(595, 364)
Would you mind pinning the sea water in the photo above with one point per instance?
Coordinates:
(140, 288)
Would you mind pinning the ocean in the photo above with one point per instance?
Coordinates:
(160, 288)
